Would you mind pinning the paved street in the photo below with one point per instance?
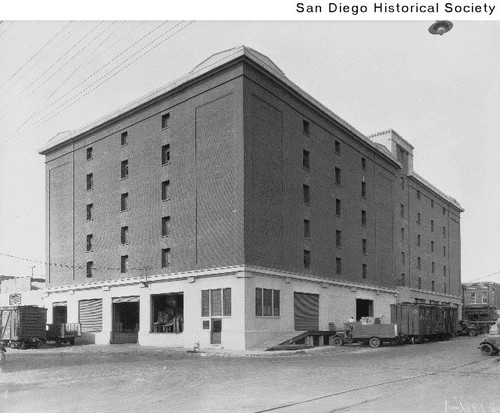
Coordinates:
(433, 377)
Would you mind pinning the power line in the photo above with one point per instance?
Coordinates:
(18, 34)
(486, 276)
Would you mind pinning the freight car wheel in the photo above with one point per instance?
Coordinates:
(486, 349)
(472, 333)
(337, 341)
(374, 342)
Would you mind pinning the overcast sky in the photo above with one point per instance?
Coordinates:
(441, 93)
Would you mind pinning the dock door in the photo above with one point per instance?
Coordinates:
(306, 310)
(125, 320)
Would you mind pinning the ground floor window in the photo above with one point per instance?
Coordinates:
(216, 303)
(168, 313)
(267, 302)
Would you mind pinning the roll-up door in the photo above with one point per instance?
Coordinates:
(90, 315)
(306, 308)
(131, 299)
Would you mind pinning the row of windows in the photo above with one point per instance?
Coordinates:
(338, 263)
(419, 264)
(419, 285)
(432, 201)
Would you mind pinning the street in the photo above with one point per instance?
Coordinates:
(448, 376)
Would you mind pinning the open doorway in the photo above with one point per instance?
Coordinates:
(60, 312)
(125, 320)
(364, 308)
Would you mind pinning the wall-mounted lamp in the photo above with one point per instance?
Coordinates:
(440, 27)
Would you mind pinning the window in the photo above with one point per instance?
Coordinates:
(338, 238)
(89, 153)
(444, 232)
(403, 257)
(432, 225)
(267, 302)
(444, 270)
(124, 138)
(444, 211)
(363, 218)
(305, 159)
(432, 285)
(216, 303)
(403, 281)
(444, 288)
(165, 154)
(90, 182)
(167, 311)
(307, 228)
(307, 259)
(124, 171)
(165, 227)
(90, 269)
(337, 147)
(418, 240)
(338, 265)
(419, 263)
(473, 298)
(165, 120)
(402, 234)
(305, 127)
(433, 267)
(338, 176)
(89, 242)
(484, 299)
(363, 163)
(432, 246)
(338, 207)
(363, 273)
(363, 189)
(307, 194)
(418, 218)
(164, 190)
(444, 251)
(432, 203)
(418, 194)
(165, 257)
(124, 264)
(402, 210)
(419, 283)
(124, 235)
(364, 243)
(124, 202)
(402, 183)
(90, 208)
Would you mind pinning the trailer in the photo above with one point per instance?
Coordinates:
(372, 334)
(418, 322)
(63, 333)
(23, 326)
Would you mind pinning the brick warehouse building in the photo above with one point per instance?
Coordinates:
(231, 208)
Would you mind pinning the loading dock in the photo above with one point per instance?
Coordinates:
(125, 320)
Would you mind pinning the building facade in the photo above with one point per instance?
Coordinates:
(481, 301)
(231, 208)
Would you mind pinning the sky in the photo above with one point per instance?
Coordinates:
(440, 93)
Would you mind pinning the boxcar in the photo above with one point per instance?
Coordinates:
(23, 326)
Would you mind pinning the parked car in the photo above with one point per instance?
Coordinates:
(490, 346)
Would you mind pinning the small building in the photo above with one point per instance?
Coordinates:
(481, 301)
(231, 208)
(22, 291)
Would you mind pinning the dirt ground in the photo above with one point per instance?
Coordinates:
(448, 376)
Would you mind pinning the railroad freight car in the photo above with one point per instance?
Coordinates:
(23, 326)
(418, 322)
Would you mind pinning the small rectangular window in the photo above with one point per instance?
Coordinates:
(276, 303)
(444, 211)
(164, 190)
(444, 270)
(432, 225)
(124, 202)
(402, 210)
(444, 288)
(364, 243)
(205, 303)
(165, 257)
(90, 208)
(337, 147)
(484, 299)
(124, 169)
(363, 163)
(338, 266)
(90, 182)
(403, 280)
(90, 269)
(305, 127)
(433, 267)
(165, 154)
(402, 183)
(267, 302)
(418, 194)
(124, 138)
(432, 285)
(418, 240)
(305, 159)
(363, 189)
(418, 218)
(419, 263)
(124, 235)
(363, 218)
(226, 302)
(338, 238)
(89, 242)
(432, 203)
(364, 271)
(215, 302)
(307, 193)
(165, 120)
(124, 264)
(307, 228)
(89, 153)
(403, 257)
(419, 283)
(258, 302)
(165, 227)
(473, 298)
(402, 234)
(444, 232)
(444, 251)
(338, 176)
(307, 259)
(432, 246)
(338, 207)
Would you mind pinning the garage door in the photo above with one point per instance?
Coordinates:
(306, 309)
(90, 315)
